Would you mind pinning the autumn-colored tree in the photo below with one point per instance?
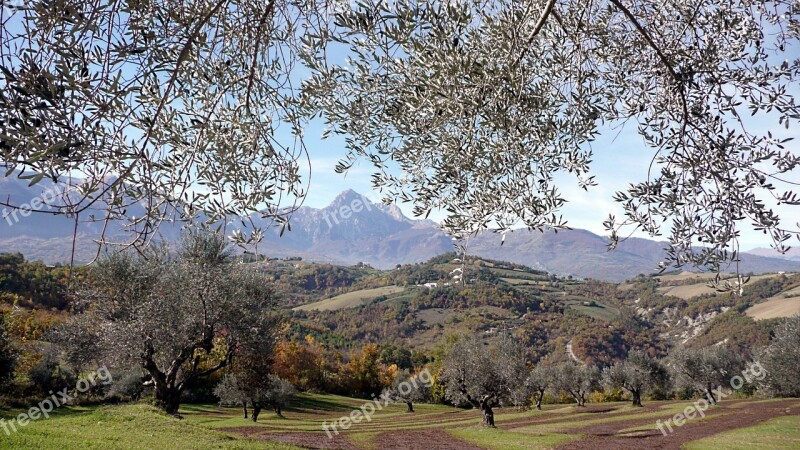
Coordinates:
(300, 363)
(363, 371)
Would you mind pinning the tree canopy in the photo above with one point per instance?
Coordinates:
(474, 107)
(179, 318)
(475, 373)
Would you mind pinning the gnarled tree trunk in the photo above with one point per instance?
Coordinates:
(244, 408)
(539, 399)
(637, 397)
(409, 407)
(488, 413)
(580, 398)
(167, 398)
(256, 412)
(710, 395)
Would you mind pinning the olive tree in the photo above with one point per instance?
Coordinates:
(274, 392)
(636, 374)
(781, 359)
(540, 379)
(180, 317)
(171, 107)
(409, 389)
(483, 375)
(577, 380)
(474, 107)
(705, 370)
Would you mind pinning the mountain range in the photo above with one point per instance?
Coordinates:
(353, 229)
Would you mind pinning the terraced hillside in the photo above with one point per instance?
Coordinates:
(417, 305)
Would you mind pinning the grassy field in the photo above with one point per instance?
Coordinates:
(781, 432)
(587, 307)
(686, 275)
(785, 304)
(121, 427)
(773, 424)
(519, 274)
(598, 311)
(700, 288)
(350, 299)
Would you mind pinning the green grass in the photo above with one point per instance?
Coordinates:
(121, 427)
(579, 419)
(510, 440)
(775, 434)
(518, 274)
(598, 311)
(209, 426)
(350, 299)
(516, 281)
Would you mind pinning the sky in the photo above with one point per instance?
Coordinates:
(620, 158)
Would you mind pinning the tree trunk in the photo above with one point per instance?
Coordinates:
(244, 408)
(539, 399)
(488, 414)
(410, 407)
(637, 397)
(256, 412)
(277, 408)
(166, 398)
(710, 394)
(579, 398)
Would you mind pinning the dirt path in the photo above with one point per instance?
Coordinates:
(305, 440)
(422, 440)
(603, 436)
(406, 440)
(544, 418)
(599, 436)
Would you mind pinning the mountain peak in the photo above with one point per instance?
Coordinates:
(347, 197)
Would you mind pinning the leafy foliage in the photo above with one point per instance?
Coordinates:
(274, 392)
(705, 369)
(484, 376)
(638, 373)
(8, 357)
(480, 106)
(181, 318)
(474, 107)
(409, 389)
(577, 380)
(780, 360)
(32, 283)
(167, 105)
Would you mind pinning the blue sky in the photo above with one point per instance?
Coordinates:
(620, 157)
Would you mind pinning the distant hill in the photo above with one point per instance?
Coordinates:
(584, 254)
(352, 229)
(792, 255)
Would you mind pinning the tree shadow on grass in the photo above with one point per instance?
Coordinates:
(303, 404)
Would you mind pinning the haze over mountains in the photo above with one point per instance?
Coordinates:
(352, 229)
